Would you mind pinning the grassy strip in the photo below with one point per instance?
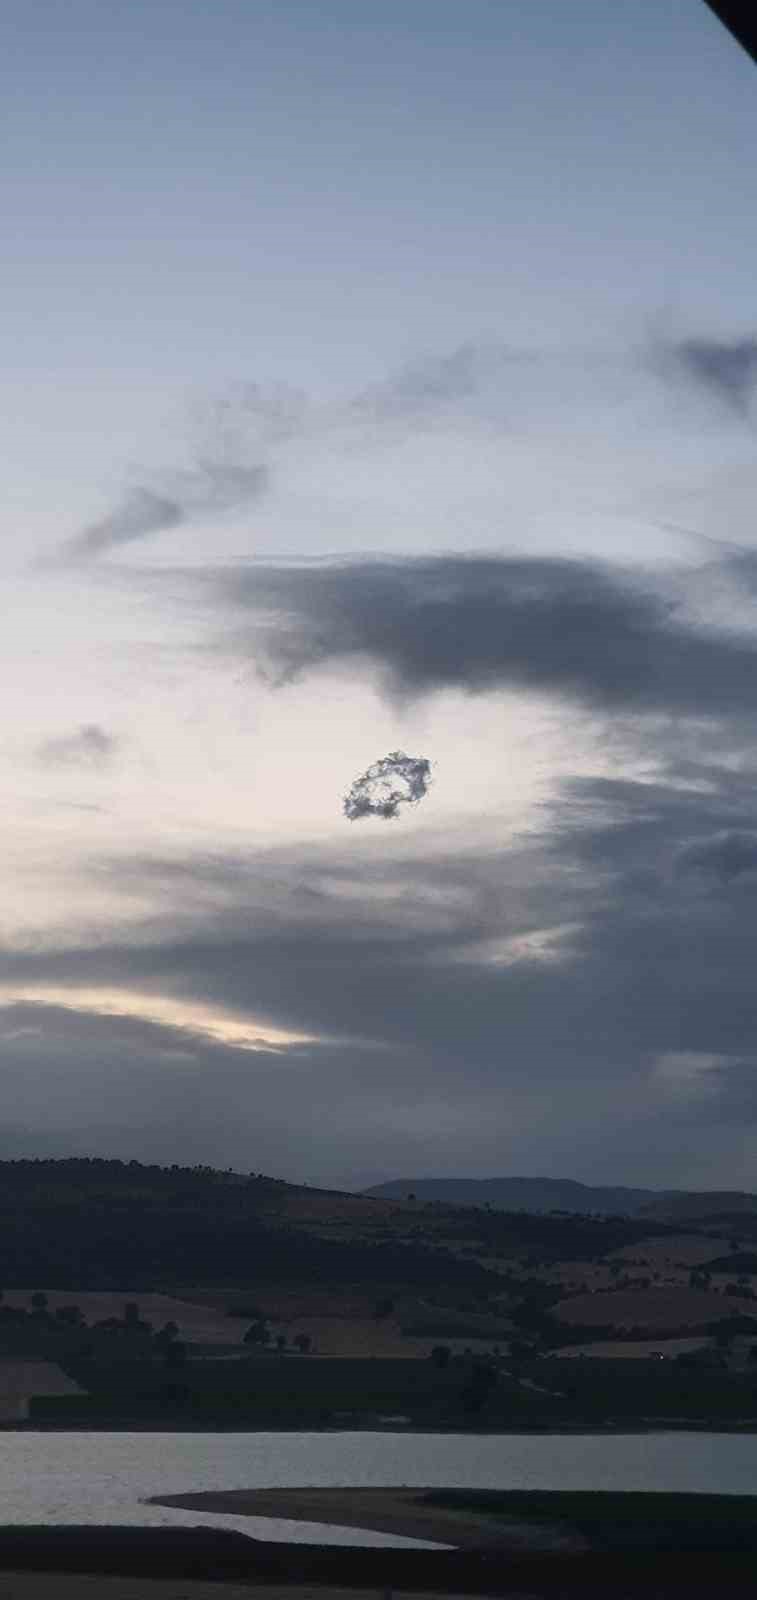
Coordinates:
(621, 1521)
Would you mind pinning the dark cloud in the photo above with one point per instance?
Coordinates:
(726, 855)
(725, 369)
(394, 781)
(82, 1083)
(572, 628)
(88, 746)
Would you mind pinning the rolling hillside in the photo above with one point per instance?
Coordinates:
(564, 1194)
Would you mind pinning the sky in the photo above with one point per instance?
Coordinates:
(379, 378)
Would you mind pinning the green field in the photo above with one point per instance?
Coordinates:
(297, 1391)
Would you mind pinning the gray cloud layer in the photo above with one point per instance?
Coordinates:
(513, 1003)
(518, 1004)
(728, 855)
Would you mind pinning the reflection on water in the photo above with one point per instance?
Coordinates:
(106, 1477)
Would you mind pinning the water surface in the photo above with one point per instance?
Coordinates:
(106, 1477)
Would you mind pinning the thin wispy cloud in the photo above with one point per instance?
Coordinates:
(140, 515)
(90, 747)
(480, 390)
(214, 487)
(229, 434)
(441, 383)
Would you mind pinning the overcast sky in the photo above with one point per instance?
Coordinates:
(380, 377)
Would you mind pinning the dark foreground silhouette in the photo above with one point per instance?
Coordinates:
(220, 1555)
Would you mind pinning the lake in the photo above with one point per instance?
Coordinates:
(105, 1477)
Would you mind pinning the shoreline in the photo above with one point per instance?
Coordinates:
(546, 1430)
(394, 1511)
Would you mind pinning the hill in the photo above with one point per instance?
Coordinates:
(112, 1224)
(522, 1194)
(565, 1194)
(711, 1205)
(192, 1296)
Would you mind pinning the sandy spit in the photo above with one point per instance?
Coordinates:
(397, 1511)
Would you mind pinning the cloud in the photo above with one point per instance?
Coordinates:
(724, 369)
(440, 384)
(446, 1015)
(214, 486)
(139, 515)
(510, 998)
(241, 421)
(726, 855)
(598, 636)
(221, 486)
(88, 746)
(504, 405)
(396, 780)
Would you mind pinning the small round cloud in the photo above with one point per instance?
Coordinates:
(396, 780)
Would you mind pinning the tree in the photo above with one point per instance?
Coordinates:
(257, 1333)
(175, 1354)
(174, 1395)
(70, 1316)
(477, 1390)
(166, 1336)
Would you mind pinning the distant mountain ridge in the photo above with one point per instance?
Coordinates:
(565, 1194)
